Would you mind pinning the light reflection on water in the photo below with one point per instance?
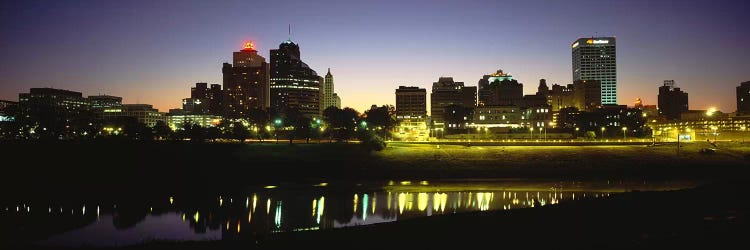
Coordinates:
(313, 207)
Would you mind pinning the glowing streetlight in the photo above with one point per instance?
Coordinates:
(603, 128)
(624, 129)
(531, 133)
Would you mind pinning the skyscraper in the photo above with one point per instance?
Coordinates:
(595, 59)
(245, 82)
(743, 98)
(672, 101)
(293, 83)
(328, 90)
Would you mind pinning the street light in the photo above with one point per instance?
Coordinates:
(603, 132)
(531, 133)
(714, 128)
(624, 129)
(576, 132)
(742, 133)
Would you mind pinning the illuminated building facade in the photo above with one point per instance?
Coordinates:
(328, 96)
(8, 110)
(293, 83)
(672, 101)
(144, 113)
(99, 102)
(596, 59)
(246, 82)
(177, 121)
(743, 98)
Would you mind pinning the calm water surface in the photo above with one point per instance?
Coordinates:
(265, 210)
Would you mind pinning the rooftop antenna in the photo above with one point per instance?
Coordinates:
(290, 32)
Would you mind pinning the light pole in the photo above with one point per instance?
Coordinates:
(276, 125)
(576, 132)
(714, 128)
(603, 132)
(531, 133)
(743, 133)
(624, 129)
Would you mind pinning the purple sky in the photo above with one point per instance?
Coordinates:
(154, 51)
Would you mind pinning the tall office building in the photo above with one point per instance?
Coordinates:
(596, 59)
(327, 95)
(499, 88)
(743, 98)
(446, 92)
(411, 102)
(246, 82)
(293, 83)
(672, 101)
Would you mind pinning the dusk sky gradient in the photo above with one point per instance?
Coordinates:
(154, 51)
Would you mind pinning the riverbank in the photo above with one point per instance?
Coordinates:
(160, 168)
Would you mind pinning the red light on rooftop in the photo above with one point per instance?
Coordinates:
(249, 45)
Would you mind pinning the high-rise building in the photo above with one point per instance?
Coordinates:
(411, 102)
(672, 101)
(587, 95)
(499, 88)
(246, 82)
(293, 83)
(205, 100)
(743, 98)
(446, 92)
(336, 100)
(596, 59)
(328, 91)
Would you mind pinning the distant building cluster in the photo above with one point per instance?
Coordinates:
(251, 88)
(284, 91)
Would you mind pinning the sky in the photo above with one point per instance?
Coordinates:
(154, 51)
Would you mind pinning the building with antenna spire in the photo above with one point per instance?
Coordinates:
(293, 84)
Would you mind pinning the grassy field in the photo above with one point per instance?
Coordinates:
(173, 166)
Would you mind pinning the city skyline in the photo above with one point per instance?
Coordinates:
(148, 54)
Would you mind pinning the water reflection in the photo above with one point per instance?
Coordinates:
(314, 207)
